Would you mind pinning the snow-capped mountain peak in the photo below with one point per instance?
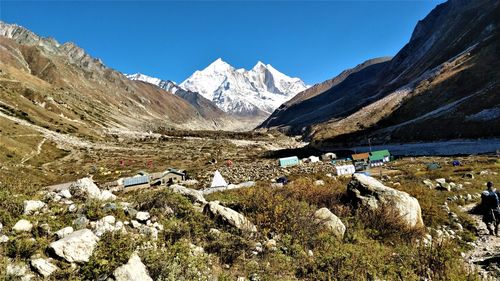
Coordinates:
(167, 85)
(244, 92)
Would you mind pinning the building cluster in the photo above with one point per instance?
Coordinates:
(144, 180)
(343, 166)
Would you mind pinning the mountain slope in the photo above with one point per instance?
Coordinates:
(250, 93)
(61, 87)
(206, 108)
(442, 85)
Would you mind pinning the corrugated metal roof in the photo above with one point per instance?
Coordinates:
(135, 181)
(382, 153)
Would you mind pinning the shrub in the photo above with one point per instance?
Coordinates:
(175, 262)
(228, 247)
(113, 250)
(22, 247)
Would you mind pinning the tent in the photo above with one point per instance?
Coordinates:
(218, 180)
(433, 166)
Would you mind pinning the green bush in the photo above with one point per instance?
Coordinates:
(113, 250)
(176, 262)
(22, 247)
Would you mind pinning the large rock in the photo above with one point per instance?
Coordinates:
(75, 247)
(32, 206)
(369, 192)
(194, 195)
(63, 232)
(18, 271)
(85, 188)
(43, 266)
(229, 216)
(133, 270)
(22, 226)
(330, 221)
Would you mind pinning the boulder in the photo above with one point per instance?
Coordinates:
(65, 193)
(133, 270)
(75, 247)
(106, 195)
(330, 221)
(61, 233)
(106, 224)
(229, 216)
(319, 182)
(85, 188)
(22, 226)
(194, 195)
(43, 266)
(4, 239)
(142, 216)
(367, 191)
(32, 206)
(80, 222)
(19, 270)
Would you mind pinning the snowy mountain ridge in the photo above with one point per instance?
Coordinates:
(244, 92)
(255, 92)
(166, 85)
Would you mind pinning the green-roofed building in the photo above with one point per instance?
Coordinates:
(379, 157)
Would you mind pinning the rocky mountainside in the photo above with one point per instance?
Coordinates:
(255, 92)
(442, 85)
(206, 108)
(61, 87)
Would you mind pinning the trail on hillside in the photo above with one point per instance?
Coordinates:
(486, 254)
(64, 140)
(34, 152)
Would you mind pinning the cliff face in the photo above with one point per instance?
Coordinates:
(443, 84)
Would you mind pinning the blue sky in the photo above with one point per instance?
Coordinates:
(311, 40)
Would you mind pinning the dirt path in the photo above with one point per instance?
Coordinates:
(35, 152)
(486, 255)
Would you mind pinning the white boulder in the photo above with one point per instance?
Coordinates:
(22, 226)
(85, 188)
(43, 266)
(106, 195)
(142, 216)
(229, 216)
(133, 270)
(369, 192)
(330, 221)
(75, 247)
(194, 195)
(32, 206)
(63, 232)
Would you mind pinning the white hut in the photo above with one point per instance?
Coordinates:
(345, 170)
(313, 159)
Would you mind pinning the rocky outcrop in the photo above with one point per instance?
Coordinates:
(133, 270)
(330, 221)
(43, 266)
(75, 247)
(85, 188)
(194, 195)
(229, 216)
(370, 193)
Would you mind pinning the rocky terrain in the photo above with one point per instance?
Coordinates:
(255, 230)
(442, 85)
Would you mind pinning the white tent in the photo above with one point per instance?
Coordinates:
(218, 180)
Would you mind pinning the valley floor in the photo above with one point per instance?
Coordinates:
(191, 244)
